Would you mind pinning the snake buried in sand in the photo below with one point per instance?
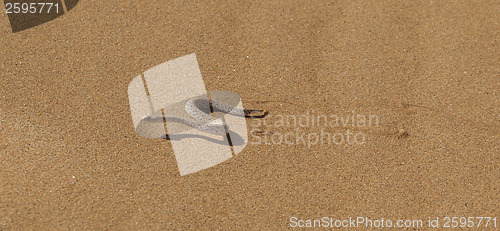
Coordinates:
(197, 109)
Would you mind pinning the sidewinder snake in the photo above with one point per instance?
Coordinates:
(197, 108)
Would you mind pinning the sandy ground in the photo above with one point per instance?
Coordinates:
(429, 70)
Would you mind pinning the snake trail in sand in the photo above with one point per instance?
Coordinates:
(197, 108)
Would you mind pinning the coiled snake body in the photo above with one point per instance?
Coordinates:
(199, 110)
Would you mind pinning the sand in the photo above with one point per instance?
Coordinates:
(429, 70)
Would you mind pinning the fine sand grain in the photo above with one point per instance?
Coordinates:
(429, 71)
